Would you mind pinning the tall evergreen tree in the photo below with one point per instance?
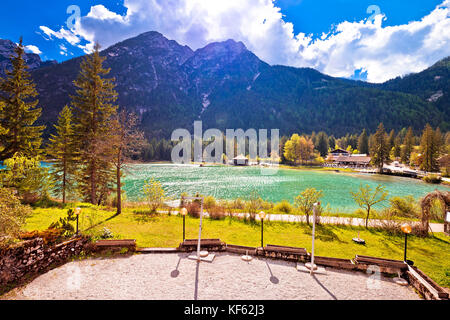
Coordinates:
(94, 109)
(363, 142)
(62, 150)
(407, 148)
(322, 143)
(429, 150)
(18, 94)
(380, 148)
(391, 139)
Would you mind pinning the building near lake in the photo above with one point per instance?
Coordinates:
(344, 158)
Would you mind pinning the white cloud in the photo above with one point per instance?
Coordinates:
(382, 52)
(33, 49)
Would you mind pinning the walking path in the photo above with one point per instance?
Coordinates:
(435, 227)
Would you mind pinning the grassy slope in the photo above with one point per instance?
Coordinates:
(432, 255)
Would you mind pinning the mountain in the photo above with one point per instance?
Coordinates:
(7, 50)
(432, 84)
(228, 87)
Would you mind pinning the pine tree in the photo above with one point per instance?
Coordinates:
(93, 110)
(429, 150)
(322, 144)
(380, 148)
(18, 94)
(363, 142)
(62, 150)
(407, 147)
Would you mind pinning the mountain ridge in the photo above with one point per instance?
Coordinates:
(227, 86)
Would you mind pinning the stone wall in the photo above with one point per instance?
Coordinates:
(30, 258)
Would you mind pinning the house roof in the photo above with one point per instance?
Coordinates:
(352, 159)
(338, 150)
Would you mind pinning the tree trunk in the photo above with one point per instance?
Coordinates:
(64, 182)
(93, 183)
(307, 218)
(367, 218)
(119, 192)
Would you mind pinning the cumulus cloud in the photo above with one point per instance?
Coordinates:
(33, 49)
(380, 52)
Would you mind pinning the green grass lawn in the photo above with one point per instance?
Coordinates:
(432, 254)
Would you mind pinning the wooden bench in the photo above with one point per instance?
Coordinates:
(116, 245)
(285, 252)
(387, 265)
(241, 249)
(335, 263)
(207, 244)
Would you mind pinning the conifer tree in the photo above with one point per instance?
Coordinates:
(62, 150)
(94, 109)
(380, 148)
(429, 150)
(18, 95)
(363, 142)
(407, 147)
(322, 144)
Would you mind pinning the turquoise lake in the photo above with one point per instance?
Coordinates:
(225, 182)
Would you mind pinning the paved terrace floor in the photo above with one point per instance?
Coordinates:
(174, 277)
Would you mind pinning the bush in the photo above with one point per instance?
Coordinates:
(432, 178)
(404, 207)
(238, 204)
(12, 216)
(65, 223)
(209, 203)
(106, 234)
(388, 223)
(217, 213)
(154, 194)
(193, 209)
(283, 206)
(26, 176)
(49, 236)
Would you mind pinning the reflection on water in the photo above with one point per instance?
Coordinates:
(233, 182)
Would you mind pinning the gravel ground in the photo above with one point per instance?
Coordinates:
(173, 277)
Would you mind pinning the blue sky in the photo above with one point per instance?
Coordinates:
(293, 37)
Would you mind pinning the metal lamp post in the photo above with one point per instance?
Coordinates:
(262, 216)
(406, 228)
(203, 254)
(77, 212)
(184, 212)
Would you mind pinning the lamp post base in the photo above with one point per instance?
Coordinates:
(208, 258)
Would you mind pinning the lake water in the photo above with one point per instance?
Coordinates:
(232, 182)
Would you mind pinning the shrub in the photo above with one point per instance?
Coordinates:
(217, 213)
(193, 209)
(209, 202)
(238, 204)
(49, 236)
(106, 234)
(154, 194)
(26, 176)
(432, 178)
(12, 216)
(283, 206)
(388, 223)
(65, 223)
(404, 207)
